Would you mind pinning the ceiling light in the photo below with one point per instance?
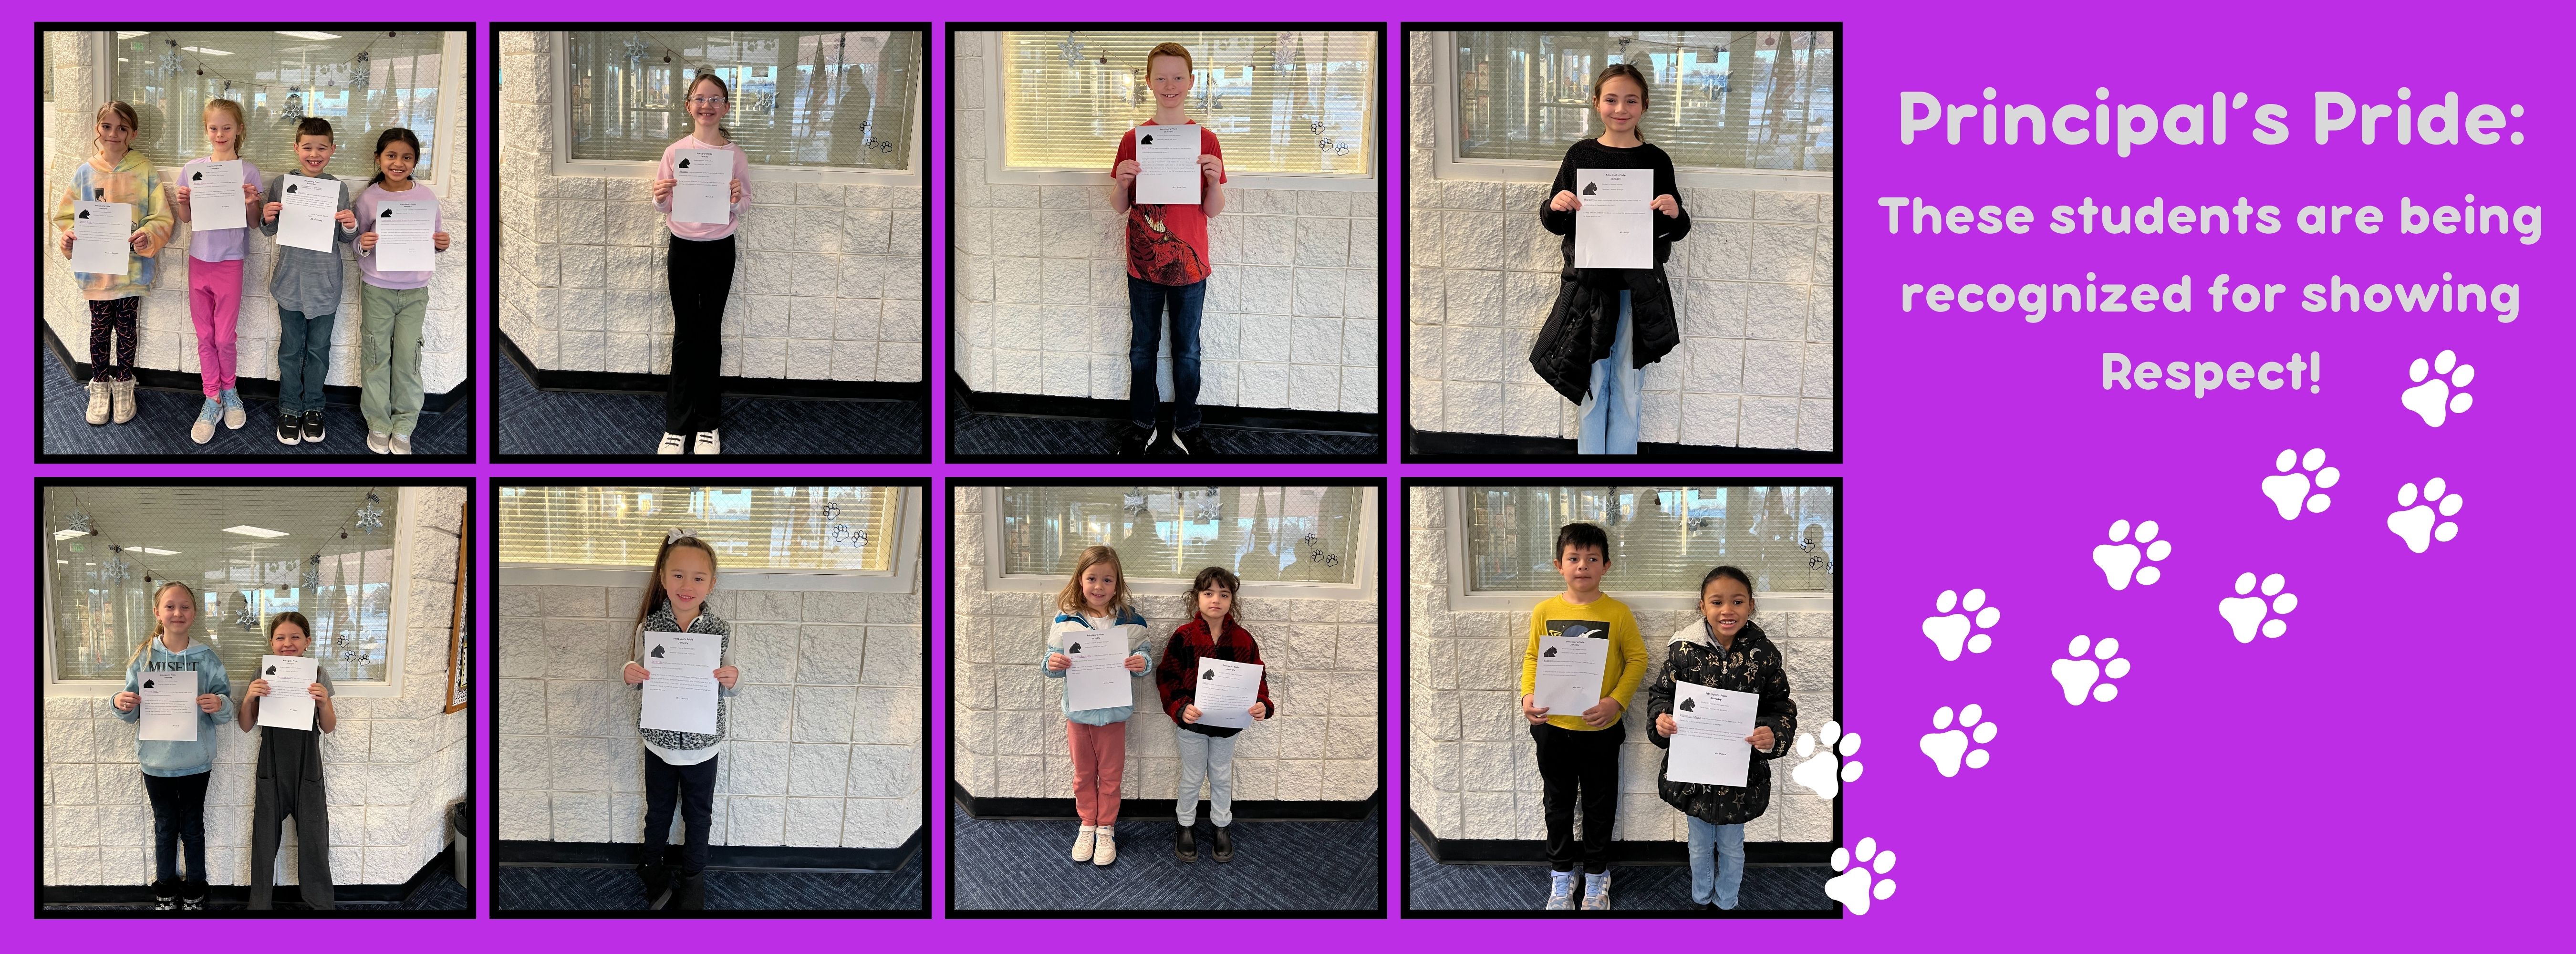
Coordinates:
(68, 534)
(308, 34)
(250, 531)
(130, 34)
(207, 50)
(158, 552)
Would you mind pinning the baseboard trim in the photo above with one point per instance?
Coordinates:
(439, 866)
(1452, 447)
(1061, 809)
(255, 389)
(1349, 423)
(1530, 851)
(604, 854)
(623, 382)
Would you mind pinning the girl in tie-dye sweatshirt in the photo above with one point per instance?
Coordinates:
(116, 174)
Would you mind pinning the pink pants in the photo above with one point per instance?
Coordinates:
(1099, 760)
(214, 303)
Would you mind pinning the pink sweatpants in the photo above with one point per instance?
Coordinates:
(1099, 761)
(214, 304)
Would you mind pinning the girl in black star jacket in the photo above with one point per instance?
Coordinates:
(1723, 650)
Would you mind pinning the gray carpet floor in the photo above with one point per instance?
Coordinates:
(618, 889)
(162, 418)
(1432, 886)
(1277, 866)
(563, 422)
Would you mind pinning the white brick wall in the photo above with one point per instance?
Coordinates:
(827, 278)
(1039, 299)
(1470, 751)
(393, 768)
(825, 745)
(1754, 282)
(167, 339)
(1009, 718)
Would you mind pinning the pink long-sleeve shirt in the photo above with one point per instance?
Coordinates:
(701, 231)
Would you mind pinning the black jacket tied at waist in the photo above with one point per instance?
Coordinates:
(1585, 322)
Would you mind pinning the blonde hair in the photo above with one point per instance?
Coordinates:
(156, 617)
(1170, 49)
(1070, 599)
(240, 136)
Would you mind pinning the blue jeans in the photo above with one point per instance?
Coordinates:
(1717, 862)
(1146, 302)
(303, 360)
(1213, 758)
(1610, 410)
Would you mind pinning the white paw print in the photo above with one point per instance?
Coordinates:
(1951, 631)
(2077, 674)
(2415, 523)
(1819, 772)
(1852, 887)
(2289, 488)
(2119, 559)
(2437, 399)
(1947, 746)
(2245, 612)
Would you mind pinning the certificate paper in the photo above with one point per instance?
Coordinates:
(1167, 161)
(1571, 655)
(1098, 677)
(102, 237)
(215, 198)
(289, 703)
(703, 193)
(1709, 730)
(1226, 693)
(1614, 228)
(403, 231)
(169, 705)
(306, 207)
(681, 696)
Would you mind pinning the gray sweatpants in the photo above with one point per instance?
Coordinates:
(1212, 759)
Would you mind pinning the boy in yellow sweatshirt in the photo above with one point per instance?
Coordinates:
(1578, 753)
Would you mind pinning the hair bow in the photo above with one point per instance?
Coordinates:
(678, 534)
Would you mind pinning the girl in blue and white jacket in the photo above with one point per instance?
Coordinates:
(175, 773)
(1095, 601)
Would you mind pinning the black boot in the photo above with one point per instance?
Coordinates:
(1186, 847)
(657, 884)
(1224, 846)
(691, 893)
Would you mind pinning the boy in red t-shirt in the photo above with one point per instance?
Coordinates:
(1167, 266)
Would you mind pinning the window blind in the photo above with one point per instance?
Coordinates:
(1279, 101)
(1661, 538)
(769, 528)
(1755, 99)
(819, 100)
(1263, 534)
(364, 83)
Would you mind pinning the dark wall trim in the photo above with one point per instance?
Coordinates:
(1103, 409)
(622, 382)
(566, 854)
(1061, 809)
(438, 866)
(1448, 447)
(1483, 851)
(256, 389)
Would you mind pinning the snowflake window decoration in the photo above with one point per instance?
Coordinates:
(116, 569)
(371, 515)
(1207, 506)
(313, 571)
(76, 522)
(1134, 502)
(246, 617)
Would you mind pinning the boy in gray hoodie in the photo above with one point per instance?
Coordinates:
(307, 286)
(175, 773)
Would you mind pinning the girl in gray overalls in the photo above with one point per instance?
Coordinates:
(290, 778)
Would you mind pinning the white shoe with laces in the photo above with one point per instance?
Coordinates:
(1596, 892)
(98, 402)
(1082, 842)
(671, 444)
(707, 444)
(1105, 848)
(1560, 890)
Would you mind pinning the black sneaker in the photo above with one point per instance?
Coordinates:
(1224, 846)
(192, 895)
(1193, 442)
(1136, 441)
(1186, 846)
(313, 427)
(165, 896)
(290, 429)
(657, 884)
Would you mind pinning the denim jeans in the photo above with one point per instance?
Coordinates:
(1146, 303)
(1610, 411)
(178, 825)
(303, 360)
(1213, 758)
(1717, 862)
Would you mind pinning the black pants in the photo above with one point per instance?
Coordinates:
(701, 275)
(179, 814)
(1589, 761)
(290, 784)
(691, 789)
(112, 319)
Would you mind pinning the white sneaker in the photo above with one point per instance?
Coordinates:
(234, 414)
(1596, 892)
(1560, 891)
(98, 402)
(671, 444)
(401, 443)
(1082, 840)
(1106, 850)
(707, 444)
(204, 429)
(121, 394)
(379, 441)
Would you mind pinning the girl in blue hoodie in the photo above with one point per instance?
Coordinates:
(1096, 600)
(175, 773)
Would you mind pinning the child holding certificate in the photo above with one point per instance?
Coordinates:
(1207, 748)
(703, 185)
(680, 767)
(290, 776)
(117, 181)
(1723, 650)
(1611, 322)
(1169, 180)
(1093, 608)
(396, 296)
(1578, 749)
(177, 764)
(216, 247)
(306, 280)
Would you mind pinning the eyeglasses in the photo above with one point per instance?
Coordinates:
(706, 100)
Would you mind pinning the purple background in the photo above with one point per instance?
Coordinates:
(2386, 772)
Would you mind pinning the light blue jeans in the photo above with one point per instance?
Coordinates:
(1717, 862)
(1610, 410)
(1212, 759)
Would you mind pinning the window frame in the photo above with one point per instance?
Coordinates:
(453, 96)
(1463, 598)
(997, 126)
(904, 563)
(1447, 165)
(563, 164)
(1364, 575)
(397, 624)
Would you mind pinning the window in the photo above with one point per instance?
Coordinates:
(751, 528)
(363, 83)
(1263, 534)
(1662, 539)
(249, 552)
(1756, 100)
(1281, 102)
(823, 100)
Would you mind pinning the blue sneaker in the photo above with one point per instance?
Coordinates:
(1560, 891)
(207, 415)
(234, 417)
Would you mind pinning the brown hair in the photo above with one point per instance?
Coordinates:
(653, 594)
(1728, 573)
(1645, 93)
(123, 112)
(290, 616)
(1070, 599)
(315, 126)
(1170, 49)
(707, 74)
(165, 586)
(243, 134)
(1212, 578)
